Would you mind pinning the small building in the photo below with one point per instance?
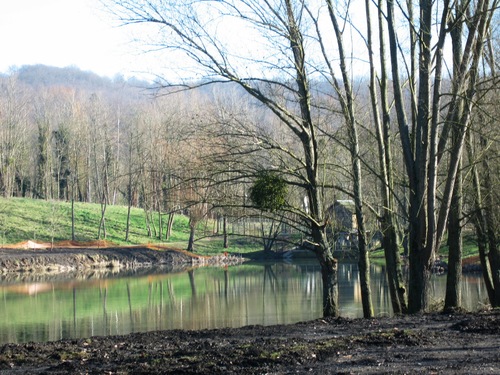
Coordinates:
(343, 229)
(344, 215)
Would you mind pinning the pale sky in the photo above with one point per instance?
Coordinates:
(75, 33)
(63, 33)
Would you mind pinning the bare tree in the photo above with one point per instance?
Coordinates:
(425, 133)
(192, 31)
(382, 121)
(13, 143)
(483, 154)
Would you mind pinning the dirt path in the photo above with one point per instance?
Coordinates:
(428, 344)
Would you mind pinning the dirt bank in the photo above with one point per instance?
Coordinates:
(429, 344)
(76, 258)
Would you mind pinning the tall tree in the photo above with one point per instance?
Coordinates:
(483, 153)
(382, 122)
(347, 104)
(192, 30)
(425, 135)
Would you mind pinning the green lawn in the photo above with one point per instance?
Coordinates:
(469, 250)
(23, 219)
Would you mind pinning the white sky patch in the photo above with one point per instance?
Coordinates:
(63, 33)
(78, 32)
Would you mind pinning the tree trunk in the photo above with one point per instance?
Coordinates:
(102, 223)
(489, 254)
(425, 141)
(382, 127)
(127, 229)
(347, 103)
(393, 264)
(147, 222)
(224, 232)
(42, 159)
(160, 223)
(480, 226)
(329, 272)
(491, 233)
(192, 233)
(453, 298)
(72, 219)
(364, 278)
(482, 245)
(170, 222)
(419, 281)
(329, 276)
(307, 136)
(129, 193)
(152, 223)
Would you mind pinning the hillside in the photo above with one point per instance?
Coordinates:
(71, 76)
(23, 219)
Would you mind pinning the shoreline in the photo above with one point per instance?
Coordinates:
(67, 260)
(461, 343)
(458, 343)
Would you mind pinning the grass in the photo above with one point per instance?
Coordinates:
(469, 246)
(469, 250)
(23, 219)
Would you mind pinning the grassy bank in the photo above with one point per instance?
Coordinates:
(23, 219)
(469, 251)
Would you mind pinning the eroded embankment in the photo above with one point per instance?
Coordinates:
(71, 259)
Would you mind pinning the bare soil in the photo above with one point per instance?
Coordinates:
(70, 256)
(457, 343)
(426, 344)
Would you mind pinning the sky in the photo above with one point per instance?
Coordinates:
(66, 33)
(77, 33)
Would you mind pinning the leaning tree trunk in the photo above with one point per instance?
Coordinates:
(480, 226)
(170, 223)
(192, 233)
(453, 298)
(454, 278)
(382, 127)
(307, 135)
(491, 233)
(347, 103)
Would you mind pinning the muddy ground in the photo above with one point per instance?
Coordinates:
(427, 344)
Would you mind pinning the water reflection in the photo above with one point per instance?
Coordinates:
(201, 298)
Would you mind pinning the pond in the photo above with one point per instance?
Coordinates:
(209, 297)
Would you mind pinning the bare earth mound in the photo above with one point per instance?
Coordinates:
(428, 344)
(69, 256)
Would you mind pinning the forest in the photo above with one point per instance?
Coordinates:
(282, 134)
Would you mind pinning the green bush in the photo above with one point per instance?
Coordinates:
(269, 191)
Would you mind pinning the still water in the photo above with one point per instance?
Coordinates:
(265, 294)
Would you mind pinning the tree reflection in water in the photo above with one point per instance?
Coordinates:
(264, 294)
